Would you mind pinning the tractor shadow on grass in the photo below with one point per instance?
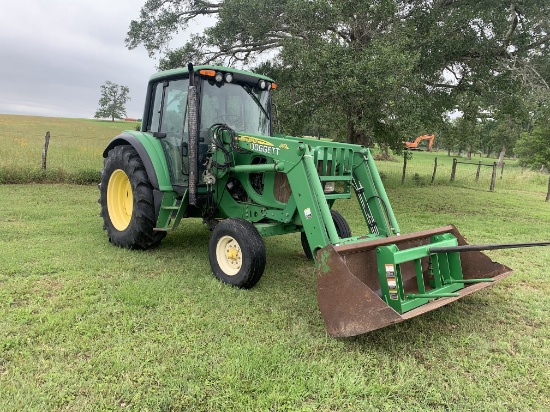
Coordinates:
(287, 288)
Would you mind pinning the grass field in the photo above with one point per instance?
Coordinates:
(87, 326)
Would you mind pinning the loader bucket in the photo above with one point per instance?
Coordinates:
(373, 284)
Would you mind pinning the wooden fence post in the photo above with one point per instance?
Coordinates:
(502, 170)
(405, 155)
(453, 170)
(548, 194)
(45, 150)
(435, 170)
(478, 170)
(493, 177)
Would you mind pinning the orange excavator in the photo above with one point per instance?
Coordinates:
(414, 145)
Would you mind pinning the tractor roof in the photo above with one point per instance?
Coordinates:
(183, 70)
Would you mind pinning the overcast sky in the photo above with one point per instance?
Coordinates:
(55, 55)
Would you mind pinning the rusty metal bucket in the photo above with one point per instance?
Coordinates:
(350, 294)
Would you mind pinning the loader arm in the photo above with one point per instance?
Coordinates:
(308, 165)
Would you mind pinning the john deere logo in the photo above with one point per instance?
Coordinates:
(255, 140)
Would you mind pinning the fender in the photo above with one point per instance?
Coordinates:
(151, 153)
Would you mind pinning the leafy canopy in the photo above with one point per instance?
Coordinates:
(533, 148)
(370, 70)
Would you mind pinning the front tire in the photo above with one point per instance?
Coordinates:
(126, 199)
(237, 253)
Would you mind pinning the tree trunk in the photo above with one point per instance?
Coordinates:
(501, 155)
(449, 151)
(357, 136)
(386, 151)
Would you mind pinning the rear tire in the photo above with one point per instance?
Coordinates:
(237, 253)
(342, 228)
(126, 199)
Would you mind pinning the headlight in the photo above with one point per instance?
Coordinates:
(330, 187)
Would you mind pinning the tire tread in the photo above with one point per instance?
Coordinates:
(140, 233)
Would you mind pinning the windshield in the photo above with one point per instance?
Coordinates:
(240, 106)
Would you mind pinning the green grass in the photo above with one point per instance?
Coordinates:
(87, 326)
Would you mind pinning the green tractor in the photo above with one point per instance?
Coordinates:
(207, 150)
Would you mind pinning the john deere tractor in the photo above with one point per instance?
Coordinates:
(207, 150)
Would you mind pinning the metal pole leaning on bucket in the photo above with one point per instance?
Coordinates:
(478, 248)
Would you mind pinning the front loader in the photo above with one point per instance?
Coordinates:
(207, 150)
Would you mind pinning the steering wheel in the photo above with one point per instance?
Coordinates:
(233, 120)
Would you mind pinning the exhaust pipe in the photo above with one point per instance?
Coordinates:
(192, 110)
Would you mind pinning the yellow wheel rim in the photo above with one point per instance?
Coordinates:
(229, 256)
(120, 201)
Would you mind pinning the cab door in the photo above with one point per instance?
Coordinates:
(169, 120)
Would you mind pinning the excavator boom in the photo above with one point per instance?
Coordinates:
(414, 145)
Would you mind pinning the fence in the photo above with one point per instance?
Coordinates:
(74, 153)
(479, 165)
(433, 168)
(74, 150)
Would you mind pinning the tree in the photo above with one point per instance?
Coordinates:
(533, 149)
(448, 136)
(375, 70)
(533, 146)
(112, 101)
(506, 134)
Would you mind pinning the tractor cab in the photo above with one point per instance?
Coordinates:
(236, 99)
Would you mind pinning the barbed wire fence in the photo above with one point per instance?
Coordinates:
(439, 169)
(75, 155)
(493, 167)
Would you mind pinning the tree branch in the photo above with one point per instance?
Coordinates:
(233, 51)
(513, 25)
